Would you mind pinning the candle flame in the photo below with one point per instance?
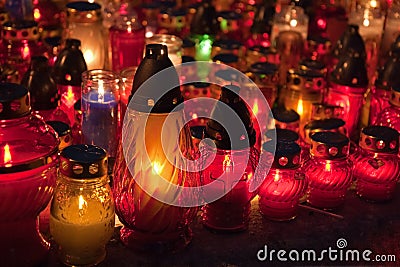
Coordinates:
(25, 51)
(255, 107)
(36, 14)
(366, 22)
(157, 167)
(227, 163)
(300, 107)
(101, 91)
(69, 97)
(82, 203)
(88, 55)
(293, 23)
(328, 167)
(276, 177)
(7, 155)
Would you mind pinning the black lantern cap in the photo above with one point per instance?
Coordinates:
(226, 58)
(283, 135)
(228, 44)
(350, 71)
(70, 64)
(350, 43)
(285, 115)
(263, 68)
(379, 139)
(83, 161)
(329, 145)
(286, 155)
(61, 128)
(389, 74)
(14, 101)
(237, 139)
(144, 100)
(205, 19)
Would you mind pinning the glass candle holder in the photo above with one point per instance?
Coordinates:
(329, 171)
(174, 22)
(100, 98)
(376, 165)
(140, 197)
(229, 25)
(84, 22)
(285, 183)
(82, 214)
(228, 47)
(126, 78)
(304, 88)
(127, 40)
(232, 168)
(28, 159)
(173, 43)
(256, 54)
(227, 59)
(390, 116)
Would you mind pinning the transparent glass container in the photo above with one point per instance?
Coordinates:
(28, 159)
(84, 22)
(376, 164)
(173, 43)
(329, 170)
(82, 214)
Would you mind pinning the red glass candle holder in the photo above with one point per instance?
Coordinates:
(28, 158)
(329, 171)
(286, 119)
(376, 165)
(257, 53)
(390, 116)
(285, 183)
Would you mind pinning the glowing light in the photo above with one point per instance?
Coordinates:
(88, 55)
(373, 3)
(149, 34)
(25, 52)
(276, 177)
(7, 156)
(300, 107)
(366, 22)
(328, 167)
(69, 97)
(321, 23)
(293, 23)
(101, 91)
(82, 203)
(227, 163)
(194, 116)
(255, 108)
(157, 168)
(36, 14)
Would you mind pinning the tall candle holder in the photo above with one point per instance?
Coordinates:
(174, 44)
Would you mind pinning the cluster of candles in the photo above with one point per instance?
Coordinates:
(65, 119)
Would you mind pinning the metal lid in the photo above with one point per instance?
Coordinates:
(264, 68)
(287, 155)
(83, 161)
(229, 15)
(308, 79)
(283, 135)
(350, 43)
(324, 125)
(82, 11)
(329, 145)
(21, 30)
(350, 71)
(379, 139)
(285, 115)
(322, 111)
(14, 101)
(389, 74)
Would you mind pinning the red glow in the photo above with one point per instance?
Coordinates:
(321, 23)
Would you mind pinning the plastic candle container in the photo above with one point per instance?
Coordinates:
(376, 165)
(82, 214)
(329, 171)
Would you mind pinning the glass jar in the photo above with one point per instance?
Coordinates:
(284, 184)
(28, 159)
(126, 78)
(127, 38)
(390, 116)
(228, 162)
(84, 22)
(100, 98)
(67, 73)
(329, 170)
(21, 41)
(173, 43)
(82, 214)
(376, 165)
(143, 191)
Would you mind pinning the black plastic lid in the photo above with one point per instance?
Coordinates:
(83, 6)
(205, 19)
(53, 41)
(20, 25)
(283, 135)
(379, 139)
(285, 115)
(188, 59)
(42, 88)
(83, 161)
(330, 138)
(229, 15)
(350, 71)
(286, 155)
(226, 58)
(178, 12)
(199, 84)
(156, 60)
(326, 124)
(14, 101)
(61, 128)
(350, 43)
(186, 43)
(389, 74)
(312, 64)
(228, 44)
(263, 68)
(218, 134)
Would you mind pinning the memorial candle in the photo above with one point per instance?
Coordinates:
(100, 109)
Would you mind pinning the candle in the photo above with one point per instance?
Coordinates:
(100, 109)
(82, 211)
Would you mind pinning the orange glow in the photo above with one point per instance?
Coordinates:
(101, 91)
(276, 177)
(82, 203)
(88, 55)
(25, 52)
(227, 163)
(69, 97)
(300, 107)
(328, 167)
(255, 108)
(7, 155)
(157, 168)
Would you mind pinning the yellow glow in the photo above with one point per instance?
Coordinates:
(300, 107)
(69, 97)
(88, 55)
(194, 116)
(366, 22)
(293, 23)
(82, 203)
(25, 52)
(276, 177)
(36, 14)
(7, 155)
(101, 91)
(373, 3)
(255, 107)
(328, 167)
(157, 167)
